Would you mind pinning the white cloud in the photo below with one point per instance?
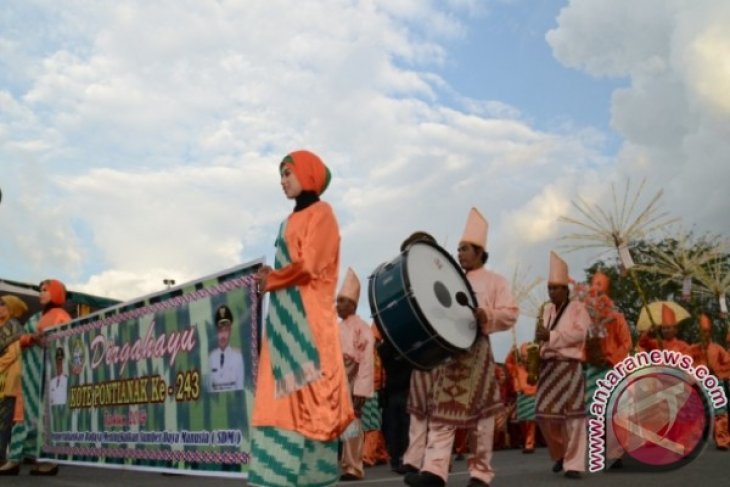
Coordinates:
(142, 138)
(674, 114)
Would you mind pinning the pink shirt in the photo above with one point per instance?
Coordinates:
(357, 344)
(495, 298)
(568, 336)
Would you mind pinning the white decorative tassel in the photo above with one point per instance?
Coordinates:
(624, 255)
(723, 304)
(687, 287)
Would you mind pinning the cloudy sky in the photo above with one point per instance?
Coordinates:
(139, 140)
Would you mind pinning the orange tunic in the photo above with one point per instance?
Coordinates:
(518, 372)
(674, 344)
(714, 357)
(322, 409)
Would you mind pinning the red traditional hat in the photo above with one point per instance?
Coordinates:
(668, 316)
(705, 323)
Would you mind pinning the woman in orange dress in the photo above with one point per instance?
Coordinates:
(302, 401)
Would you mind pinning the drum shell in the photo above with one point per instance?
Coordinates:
(400, 320)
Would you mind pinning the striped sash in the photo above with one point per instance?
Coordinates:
(371, 420)
(525, 407)
(294, 355)
(560, 390)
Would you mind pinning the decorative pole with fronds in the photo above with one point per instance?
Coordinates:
(683, 262)
(617, 228)
(714, 279)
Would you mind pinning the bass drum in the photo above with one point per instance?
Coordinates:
(413, 299)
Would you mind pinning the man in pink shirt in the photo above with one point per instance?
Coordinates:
(357, 349)
(465, 392)
(560, 409)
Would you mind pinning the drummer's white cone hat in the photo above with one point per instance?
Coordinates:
(558, 270)
(475, 231)
(350, 286)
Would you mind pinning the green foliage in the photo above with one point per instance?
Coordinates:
(657, 287)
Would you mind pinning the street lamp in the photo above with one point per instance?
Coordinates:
(168, 282)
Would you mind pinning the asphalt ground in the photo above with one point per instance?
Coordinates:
(710, 469)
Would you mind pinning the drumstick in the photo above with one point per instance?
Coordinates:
(463, 300)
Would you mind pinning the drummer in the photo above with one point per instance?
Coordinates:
(419, 393)
(469, 400)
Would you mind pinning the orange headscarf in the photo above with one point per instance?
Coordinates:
(57, 291)
(600, 282)
(54, 313)
(311, 172)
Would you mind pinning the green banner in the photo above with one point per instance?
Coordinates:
(164, 382)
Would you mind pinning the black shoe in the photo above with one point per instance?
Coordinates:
(473, 482)
(10, 468)
(424, 479)
(347, 477)
(558, 466)
(617, 465)
(412, 478)
(572, 474)
(404, 469)
(459, 457)
(45, 469)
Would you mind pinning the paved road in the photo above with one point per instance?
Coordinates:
(711, 469)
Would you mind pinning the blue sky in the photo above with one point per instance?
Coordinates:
(139, 140)
(505, 57)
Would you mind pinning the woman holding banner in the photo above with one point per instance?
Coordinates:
(11, 409)
(25, 441)
(302, 401)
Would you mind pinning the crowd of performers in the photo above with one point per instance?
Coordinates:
(465, 409)
(328, 403)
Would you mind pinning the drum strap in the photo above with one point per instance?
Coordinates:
(294, 355)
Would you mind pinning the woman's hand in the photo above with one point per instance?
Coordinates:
(39, 339)
(261, 275)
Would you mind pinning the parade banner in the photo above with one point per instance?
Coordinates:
(162, 383)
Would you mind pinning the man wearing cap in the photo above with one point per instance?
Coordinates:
(669, 329)
(357, 350)
(59, 382)
(419, 394)
(465, 391)
(717, 360)
(560, 402)
(225, 362)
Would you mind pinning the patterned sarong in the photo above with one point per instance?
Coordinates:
(294, 355)
(283, 458)
(560, 390)
(419, 393)
(525, 407)
(465, 388)
(371, 420)
(592, 375)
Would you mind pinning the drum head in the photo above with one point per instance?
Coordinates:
(434, 280)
